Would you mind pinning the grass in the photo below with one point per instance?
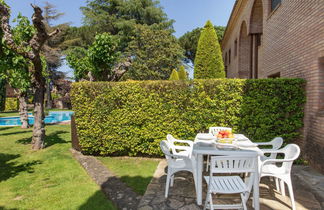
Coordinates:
(135, 172)
(46, 179)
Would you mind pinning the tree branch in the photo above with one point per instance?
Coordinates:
(7, 34)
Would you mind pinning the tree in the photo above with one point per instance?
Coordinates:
(208, 61)
(189, 41)
(174, 75)
(31, 51)
(154, 53)
(182, 73)
(120, 17)
(98, 61)
(14, 67)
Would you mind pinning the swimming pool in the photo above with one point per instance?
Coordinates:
(53, 117)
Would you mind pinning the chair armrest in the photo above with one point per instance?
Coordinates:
(268, 161)
(264, 143)
(184, 141)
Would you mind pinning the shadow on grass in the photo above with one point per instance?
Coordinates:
(4, 208)
(97, 201)
(3, 129)
(15, 133)
(10, 168)
(51, 139)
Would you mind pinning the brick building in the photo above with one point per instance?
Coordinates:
(282, 38)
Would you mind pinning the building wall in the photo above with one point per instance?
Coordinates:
(292, 44)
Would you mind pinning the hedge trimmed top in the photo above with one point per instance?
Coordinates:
(131, 118)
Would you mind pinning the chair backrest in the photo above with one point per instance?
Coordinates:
(165, 147)
(170, 138)
(276, 144)
(292, 152)
(234, 164)
(215, 130)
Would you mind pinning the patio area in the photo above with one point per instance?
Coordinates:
(306, 182)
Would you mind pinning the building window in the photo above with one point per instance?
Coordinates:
(235, 48)
(229, 56)
(275, 4)
(274, 76)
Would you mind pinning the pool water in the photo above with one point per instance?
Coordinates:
(53, 117)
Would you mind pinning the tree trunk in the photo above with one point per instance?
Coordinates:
(49, 102)
(39, 125)
(23, 112)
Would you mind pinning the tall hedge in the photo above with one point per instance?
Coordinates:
(2, 94)
(131, 118)
(208, 61)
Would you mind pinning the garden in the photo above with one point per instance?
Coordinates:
(101, 139)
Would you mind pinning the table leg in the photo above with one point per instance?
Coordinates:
(199, 178)
(256, 194)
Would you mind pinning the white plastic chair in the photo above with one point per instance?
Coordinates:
(230, 184)
(270, 168)
(177, 162)
(180, 150)
(275, 144)
(213, 131)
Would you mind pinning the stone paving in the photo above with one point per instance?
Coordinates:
(182, 194)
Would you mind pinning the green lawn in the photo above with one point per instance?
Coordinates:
(47, 179)
(135, 172)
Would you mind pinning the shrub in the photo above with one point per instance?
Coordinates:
(131, 118)
(174, 75)
(208, 62)
(11, 104)
(182, 73)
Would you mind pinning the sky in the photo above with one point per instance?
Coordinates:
(188, 14)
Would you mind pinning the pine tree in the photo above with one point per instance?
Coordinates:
(208, 61)
(174, 75)
(182, 73)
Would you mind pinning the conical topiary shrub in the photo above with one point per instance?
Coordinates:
(208, 61)
(174, 75)
(182, 73)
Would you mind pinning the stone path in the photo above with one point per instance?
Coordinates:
(115, 190)
(182, 195)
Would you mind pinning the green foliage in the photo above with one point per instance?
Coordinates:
(11, 104)
(155, 53)
(208, 62)
(119, 17)
(98, 59)
(182, 73)
(174, 75)
(189, 41)
(131, 118)
(14, 67)
(102, 55)
(2, 94)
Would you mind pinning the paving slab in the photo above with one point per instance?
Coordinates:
(182, 195)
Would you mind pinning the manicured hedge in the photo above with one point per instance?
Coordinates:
(11, 104)
(131, 118)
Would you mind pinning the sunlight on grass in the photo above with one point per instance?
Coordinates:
(47, 179)
(135, 172)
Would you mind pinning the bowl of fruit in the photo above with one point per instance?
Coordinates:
(225, 137)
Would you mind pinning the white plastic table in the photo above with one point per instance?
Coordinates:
(201, 149)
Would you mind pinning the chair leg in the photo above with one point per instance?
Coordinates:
(207, 166)
(291, 194)
(167, 185)
(277, 184)
(243, 201)
(206, 201)
(172, 180)
(211, 201)
(282, 188)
